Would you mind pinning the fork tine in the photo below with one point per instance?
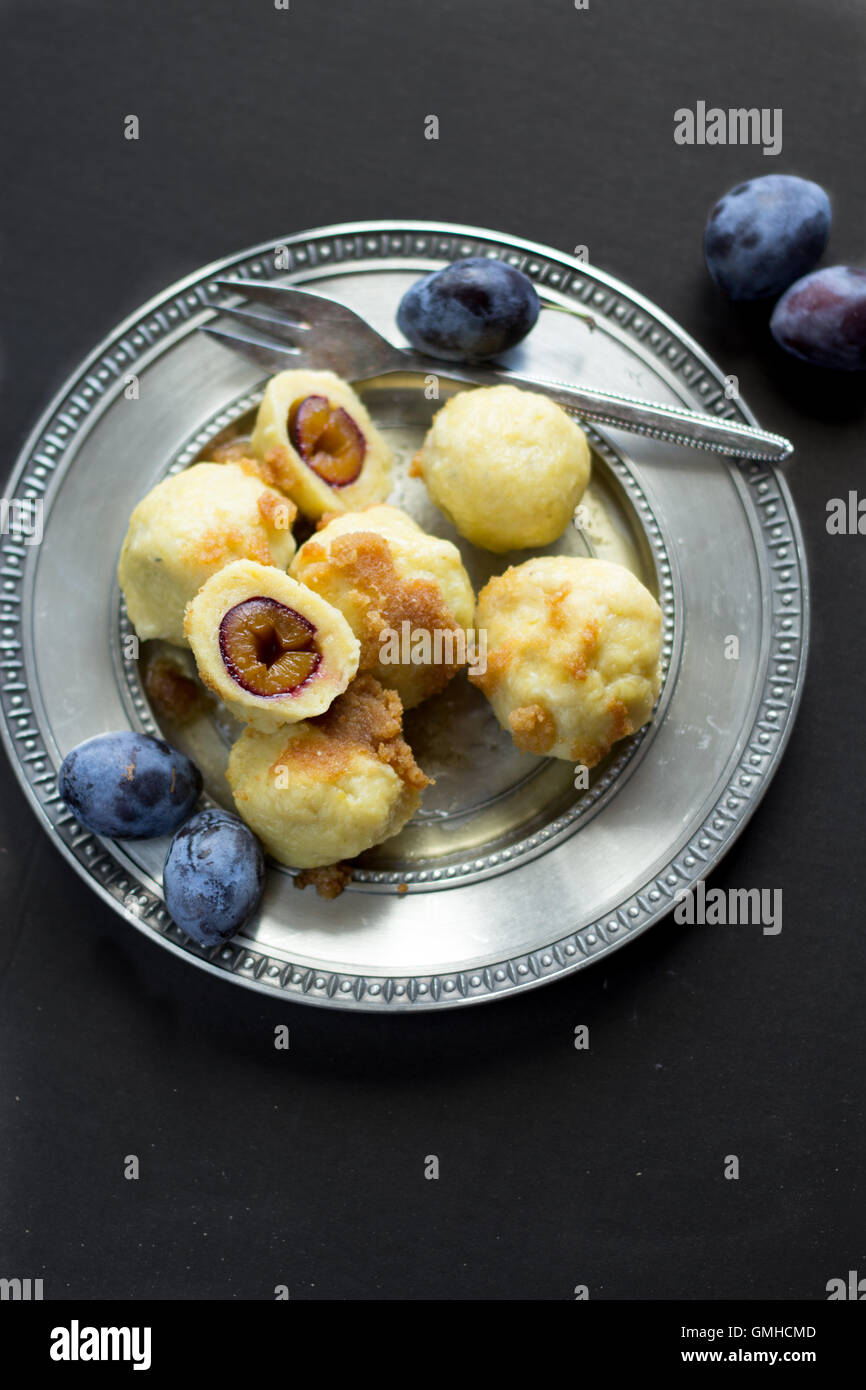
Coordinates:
(263, 354)
(302, 303)
(285, 330)
(340, 341)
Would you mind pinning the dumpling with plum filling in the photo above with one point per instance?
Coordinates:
(317, 443)
(268, 647)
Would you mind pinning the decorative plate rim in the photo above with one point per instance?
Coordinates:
(383, 242)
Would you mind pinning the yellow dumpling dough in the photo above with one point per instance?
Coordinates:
(573, 655)
(271, 649)
(186, 529)
(335, 448)
(508, 467)
(382, 571)
(328, 788)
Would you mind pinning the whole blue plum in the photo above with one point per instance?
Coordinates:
(469, 310)
(764, 234)
(822, 318)
(214, 876)
(128, 785)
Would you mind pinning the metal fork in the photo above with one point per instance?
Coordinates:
(307, 330)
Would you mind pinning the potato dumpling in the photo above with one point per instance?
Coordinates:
(272, 650)
(573, 649)
(317, 443)
(328, 788)
(405, 594)
(507, 467)
(186, 529)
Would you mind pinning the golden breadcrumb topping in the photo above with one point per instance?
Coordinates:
(533, 728)
(277, 511)
(224, 543)
(234, 450)
(364, 560)
(366, 719)
(498, 662)
(580, 661)
(277, 469)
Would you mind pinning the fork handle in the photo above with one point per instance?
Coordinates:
(665, 422)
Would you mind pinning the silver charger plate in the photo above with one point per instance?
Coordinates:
(509, 876)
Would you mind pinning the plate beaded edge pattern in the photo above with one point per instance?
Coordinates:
(82, 396)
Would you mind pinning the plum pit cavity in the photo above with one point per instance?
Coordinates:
(268, 648)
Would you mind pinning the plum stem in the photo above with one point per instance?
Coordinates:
(567, 309)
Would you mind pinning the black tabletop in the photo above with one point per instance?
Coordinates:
(557, 1167)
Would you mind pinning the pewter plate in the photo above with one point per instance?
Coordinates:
(509, 876)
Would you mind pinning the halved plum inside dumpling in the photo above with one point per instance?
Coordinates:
(316, 442)
(267, 647)
(272, 650)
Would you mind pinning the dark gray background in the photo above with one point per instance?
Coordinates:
(557, 1167)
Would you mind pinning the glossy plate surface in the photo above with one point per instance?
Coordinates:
(508, 876)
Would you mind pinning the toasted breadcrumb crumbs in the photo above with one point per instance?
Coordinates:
(328, 881)
(365, 563)
(366, 718)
